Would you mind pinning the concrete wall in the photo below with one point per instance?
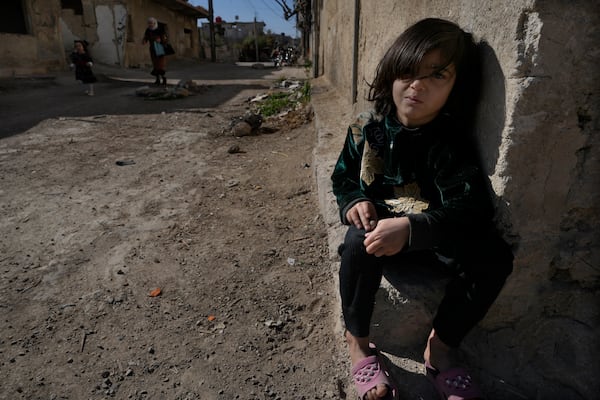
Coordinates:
(538, 137)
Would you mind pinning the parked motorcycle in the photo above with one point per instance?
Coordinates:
(282, 57)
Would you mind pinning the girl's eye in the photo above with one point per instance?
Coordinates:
(438, 75)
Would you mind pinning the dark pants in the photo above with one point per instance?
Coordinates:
(480, 274)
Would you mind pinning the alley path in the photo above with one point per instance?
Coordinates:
(26, 101)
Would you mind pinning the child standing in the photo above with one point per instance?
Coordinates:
(409, 187)
(82, 62)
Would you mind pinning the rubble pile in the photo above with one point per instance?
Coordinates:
(293, 111)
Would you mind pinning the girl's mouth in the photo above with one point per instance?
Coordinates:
(412, 99)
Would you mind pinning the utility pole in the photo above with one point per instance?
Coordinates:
(256, 39)
(211, 24)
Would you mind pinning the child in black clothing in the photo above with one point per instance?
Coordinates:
(410, 189)
(82, 62)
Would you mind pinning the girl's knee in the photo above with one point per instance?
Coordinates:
(353, 242)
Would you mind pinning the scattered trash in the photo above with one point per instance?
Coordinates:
(155, 292)
(259, 97)
(162, 93)
(291, 261)
(125, 162)
(191, 86)
(274, 324)
(211, 318)
(233, 149)
(285, 106)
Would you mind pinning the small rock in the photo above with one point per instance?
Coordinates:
(242, 128)
(233, 149)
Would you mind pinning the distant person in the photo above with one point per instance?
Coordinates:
(408, 184)
(82, 63)
(156, 36)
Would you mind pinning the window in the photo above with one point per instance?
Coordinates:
(12, 17)
(74, 5)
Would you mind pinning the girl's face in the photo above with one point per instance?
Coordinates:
(419, 99)
(79, 48)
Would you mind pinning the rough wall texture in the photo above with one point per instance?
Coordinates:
(41, 50)
(183, 32)
(538, 138)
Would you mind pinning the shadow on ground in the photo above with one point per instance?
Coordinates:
(24, 102)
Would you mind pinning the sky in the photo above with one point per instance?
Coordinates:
(267, 11)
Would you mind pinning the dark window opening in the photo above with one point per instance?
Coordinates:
(12, 17)
(188, 38)
(74, 5)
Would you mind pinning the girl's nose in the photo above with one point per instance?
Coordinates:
(418, 84)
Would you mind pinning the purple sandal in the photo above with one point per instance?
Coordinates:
(454, 384)
(370, 372)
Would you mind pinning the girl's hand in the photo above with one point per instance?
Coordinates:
(362, 215)
(389, 237)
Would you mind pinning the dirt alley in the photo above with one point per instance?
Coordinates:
(235, 242)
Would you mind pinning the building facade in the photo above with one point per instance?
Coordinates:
(36, 36)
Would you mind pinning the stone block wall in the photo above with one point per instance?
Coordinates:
(37, 52)
(538, 137)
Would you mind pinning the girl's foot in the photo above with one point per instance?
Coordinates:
(450, 381)
(365, 362)
(437, 353)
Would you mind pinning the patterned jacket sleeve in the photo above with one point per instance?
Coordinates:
(346, 174)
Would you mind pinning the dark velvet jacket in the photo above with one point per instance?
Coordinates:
(83, 72)
(428, 174)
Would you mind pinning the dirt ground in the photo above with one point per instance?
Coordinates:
(233, 239)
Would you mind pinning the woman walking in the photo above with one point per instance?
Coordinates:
(156, 36)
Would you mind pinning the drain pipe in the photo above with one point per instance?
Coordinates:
(314, 42)
(355, 51)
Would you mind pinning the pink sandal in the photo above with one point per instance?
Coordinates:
(370, 372)
(454, 384)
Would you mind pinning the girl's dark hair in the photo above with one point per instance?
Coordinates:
(84, 43)
(407, 51)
